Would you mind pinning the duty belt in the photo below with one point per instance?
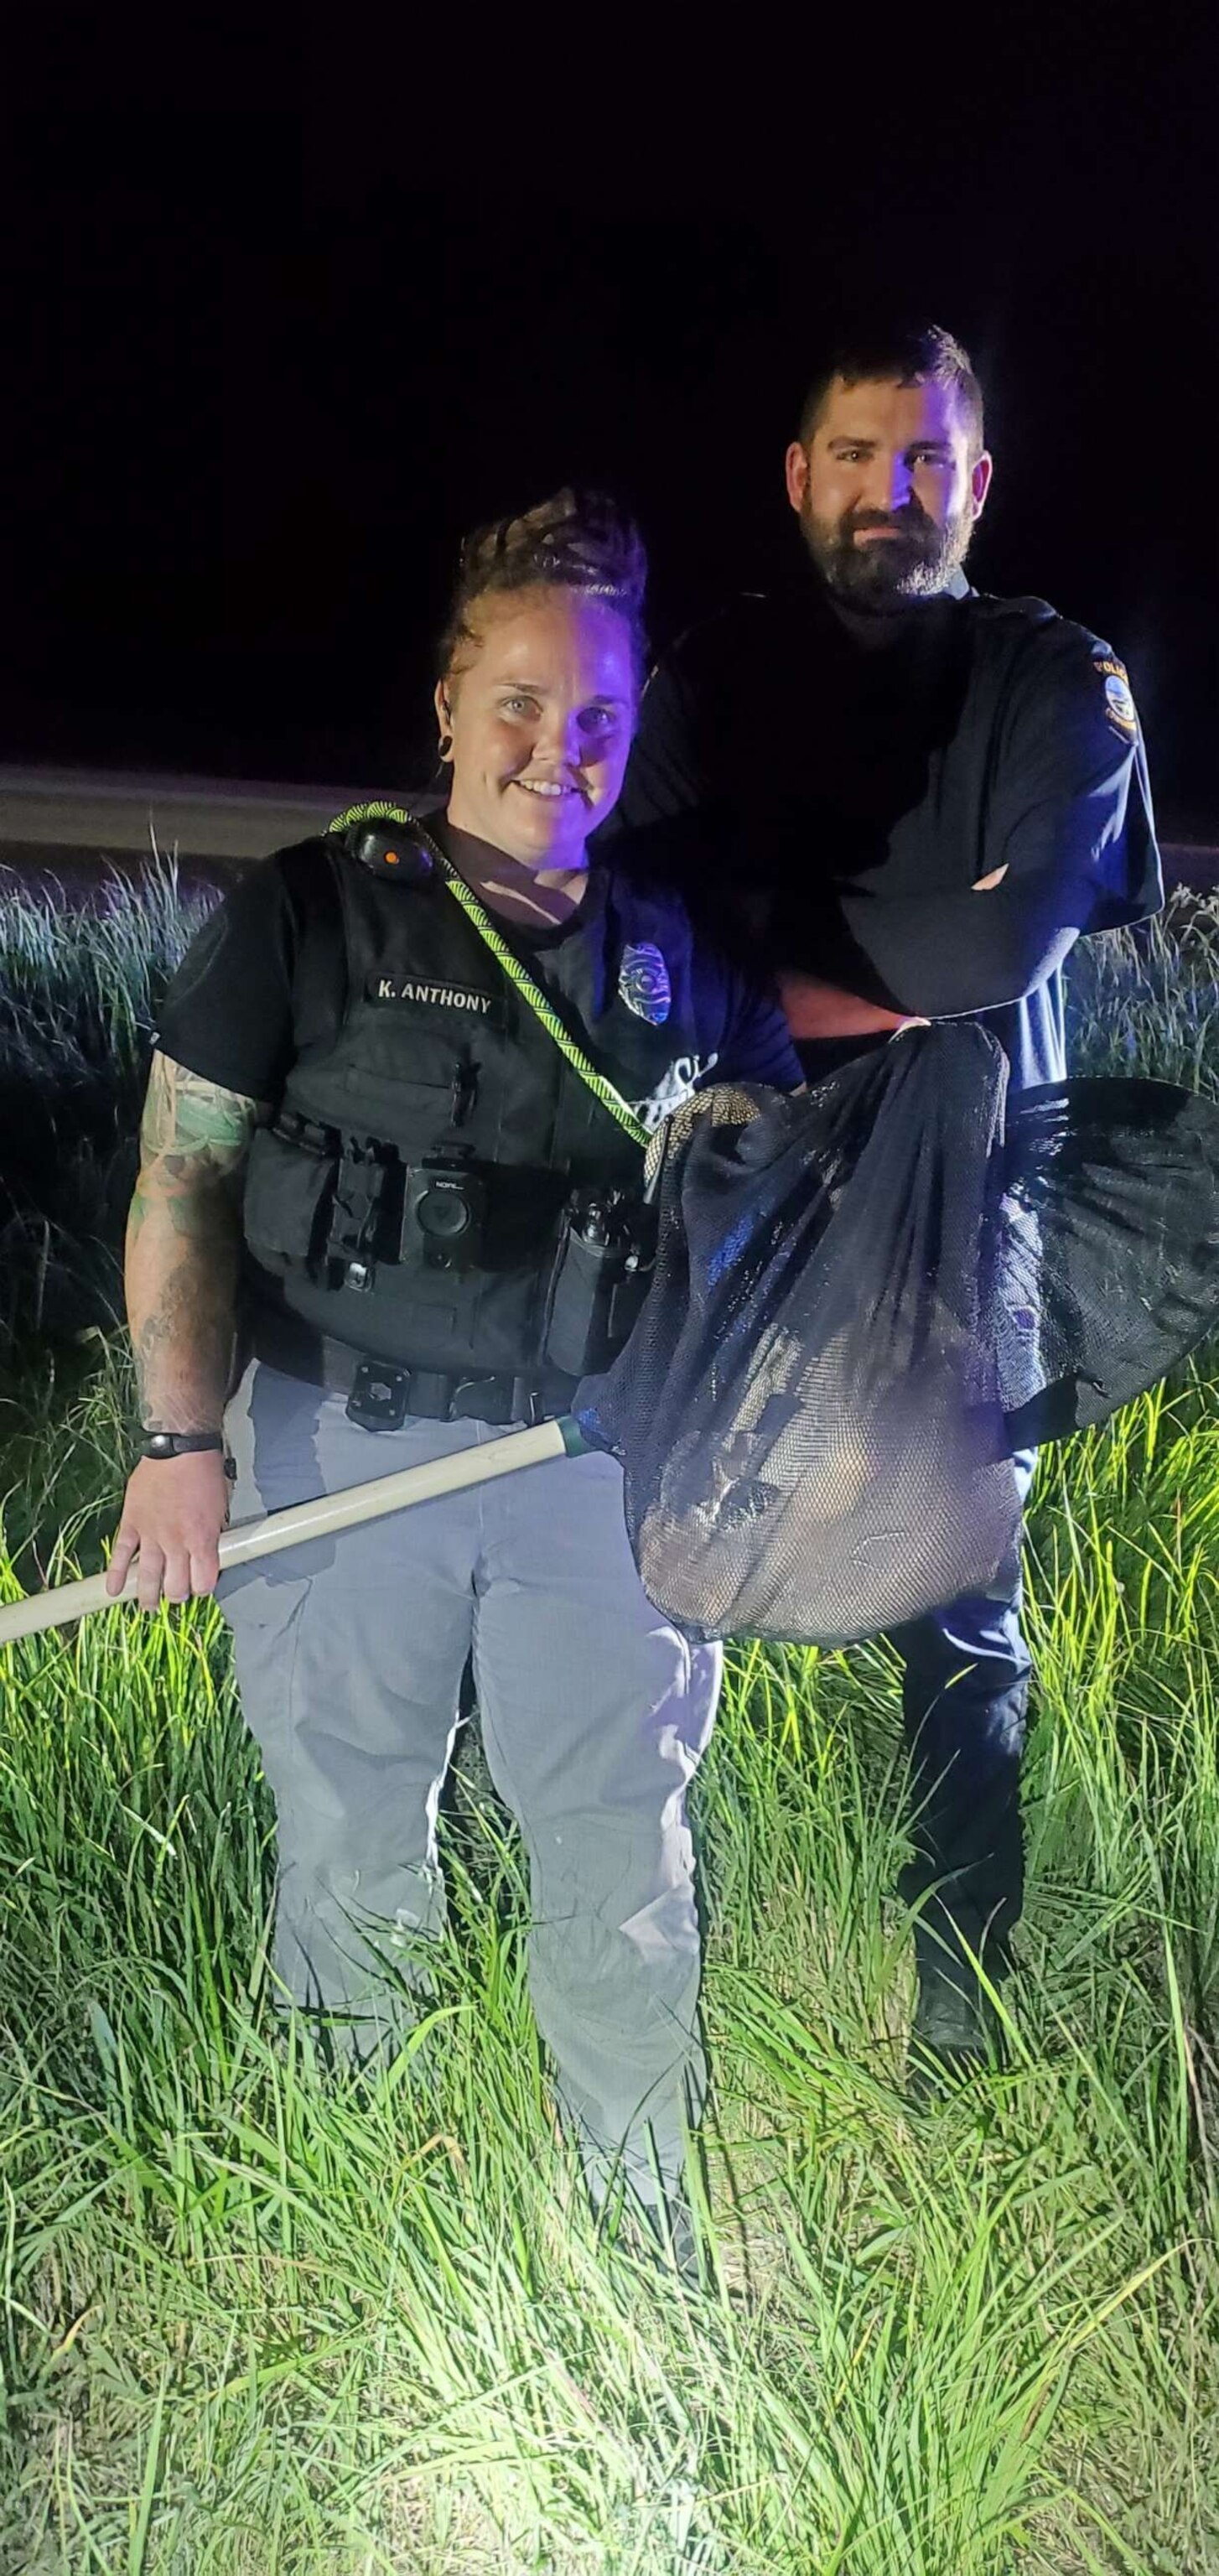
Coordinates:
(381, 1396)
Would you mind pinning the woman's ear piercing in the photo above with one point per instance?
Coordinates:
(444, 748)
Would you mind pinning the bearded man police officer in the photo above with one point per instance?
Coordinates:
(365, 1142)
(918, 797)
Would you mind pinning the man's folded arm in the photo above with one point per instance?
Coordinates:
(1070, 845)
(942, 955)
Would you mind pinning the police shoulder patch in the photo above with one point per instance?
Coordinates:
(1119, 702)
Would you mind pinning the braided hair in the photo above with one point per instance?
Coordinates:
(580, 541)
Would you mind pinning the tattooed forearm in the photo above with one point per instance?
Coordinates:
(183, 1347)
(183, 1234)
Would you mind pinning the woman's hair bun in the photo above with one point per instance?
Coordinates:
(580, 541)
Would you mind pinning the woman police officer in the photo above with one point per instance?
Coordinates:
(364, 1159)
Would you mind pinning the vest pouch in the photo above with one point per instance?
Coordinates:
(288, 1196)
(599, 1281)
(367, 1180)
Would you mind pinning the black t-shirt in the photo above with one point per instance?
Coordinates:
(836, 784)
(230, 1013)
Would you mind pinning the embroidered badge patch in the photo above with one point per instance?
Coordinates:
(643, 982)
(1119, 704)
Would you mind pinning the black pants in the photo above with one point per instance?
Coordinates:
(965, 1703)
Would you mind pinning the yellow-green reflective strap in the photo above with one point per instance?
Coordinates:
(517, 974)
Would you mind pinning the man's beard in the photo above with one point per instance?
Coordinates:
(915, 563)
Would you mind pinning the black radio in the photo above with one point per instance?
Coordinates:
(600, 1279)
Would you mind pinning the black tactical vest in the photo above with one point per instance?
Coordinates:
(408, 1198)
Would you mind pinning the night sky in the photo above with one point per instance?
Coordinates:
(258, 384)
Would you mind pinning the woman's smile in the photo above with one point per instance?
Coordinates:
(546, 787)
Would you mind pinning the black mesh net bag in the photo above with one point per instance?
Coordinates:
(1107, 1252)
(864, 1299)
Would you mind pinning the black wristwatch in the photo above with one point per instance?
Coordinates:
(178, 1444)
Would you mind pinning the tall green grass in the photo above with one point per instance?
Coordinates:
(262, 2321)
(80, 987)
(1147, 1000)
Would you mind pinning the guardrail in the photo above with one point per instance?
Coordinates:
(201, 817)
(216, 818)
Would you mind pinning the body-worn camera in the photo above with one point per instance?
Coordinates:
(444, 1212)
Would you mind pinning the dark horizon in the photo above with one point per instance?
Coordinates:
(249, 430)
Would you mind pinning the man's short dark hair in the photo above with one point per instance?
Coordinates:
(911, 354)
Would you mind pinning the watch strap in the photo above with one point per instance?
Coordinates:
(178, 1444)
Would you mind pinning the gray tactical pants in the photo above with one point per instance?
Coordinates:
(350, 1653)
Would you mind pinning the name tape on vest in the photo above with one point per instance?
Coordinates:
(445, 997)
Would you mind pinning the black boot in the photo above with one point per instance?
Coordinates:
(956, 2029)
